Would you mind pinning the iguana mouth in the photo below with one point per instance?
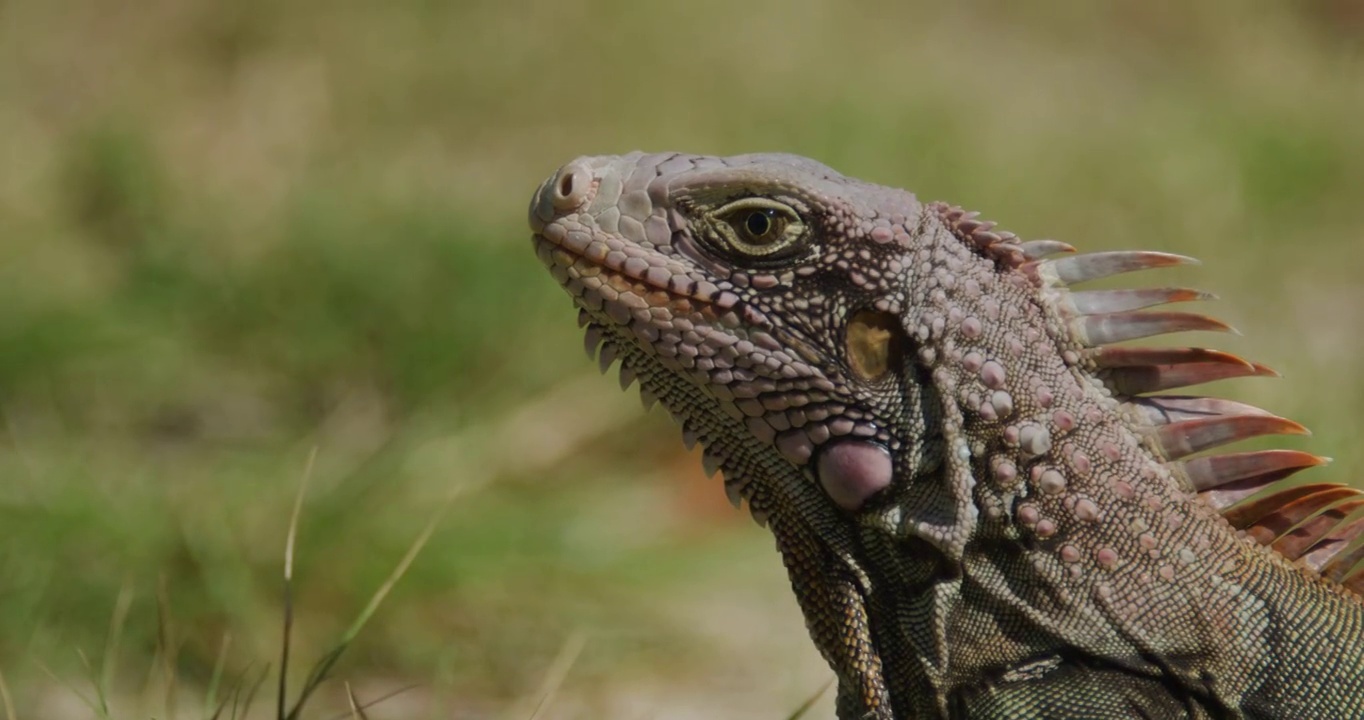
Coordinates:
(630, 283)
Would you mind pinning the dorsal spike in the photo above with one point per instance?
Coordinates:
(1114, 356)
(1164, 409)
(1097, 302)
(1154, 378)
(1341, 565)
(1338, 538)
(1250, 511)
(1355, 581)
(1003, 247)
(1276, 526)
(1095, 330)
(1035, 249)
(1092, 266)
(1318, 538)
(1229, 476)
(1184, 438)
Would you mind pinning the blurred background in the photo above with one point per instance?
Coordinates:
(233, 232)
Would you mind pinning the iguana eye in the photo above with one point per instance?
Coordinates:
(758, 227)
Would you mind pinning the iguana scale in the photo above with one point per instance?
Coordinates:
(986, 505)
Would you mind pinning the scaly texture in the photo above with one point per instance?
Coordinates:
(982, 511)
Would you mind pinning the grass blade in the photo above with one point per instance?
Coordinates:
(216, 679)
(805, 706)
(357, 711)
(170, 648)
(558, 670)
(6, 700)
(251, 694)
(324, 666)
(376, 701)
(103, 708)
(110, 661)
(94, 706)
(289, 540)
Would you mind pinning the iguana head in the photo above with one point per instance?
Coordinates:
(758, 297)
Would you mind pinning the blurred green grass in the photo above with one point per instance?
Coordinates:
(232, 232)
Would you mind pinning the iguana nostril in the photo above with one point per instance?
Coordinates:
(572, 187)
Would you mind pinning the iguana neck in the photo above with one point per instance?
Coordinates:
(1055, 525)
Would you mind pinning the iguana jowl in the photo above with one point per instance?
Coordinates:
(983, 510)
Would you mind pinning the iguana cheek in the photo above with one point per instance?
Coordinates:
(852, 471)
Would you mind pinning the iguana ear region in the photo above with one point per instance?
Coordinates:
(875, 344)
(851, 471)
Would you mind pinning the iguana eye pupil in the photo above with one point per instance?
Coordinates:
(759, 223)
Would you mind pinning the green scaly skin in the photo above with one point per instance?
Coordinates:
(976, 520)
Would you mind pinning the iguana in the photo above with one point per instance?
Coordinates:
(984, 507)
